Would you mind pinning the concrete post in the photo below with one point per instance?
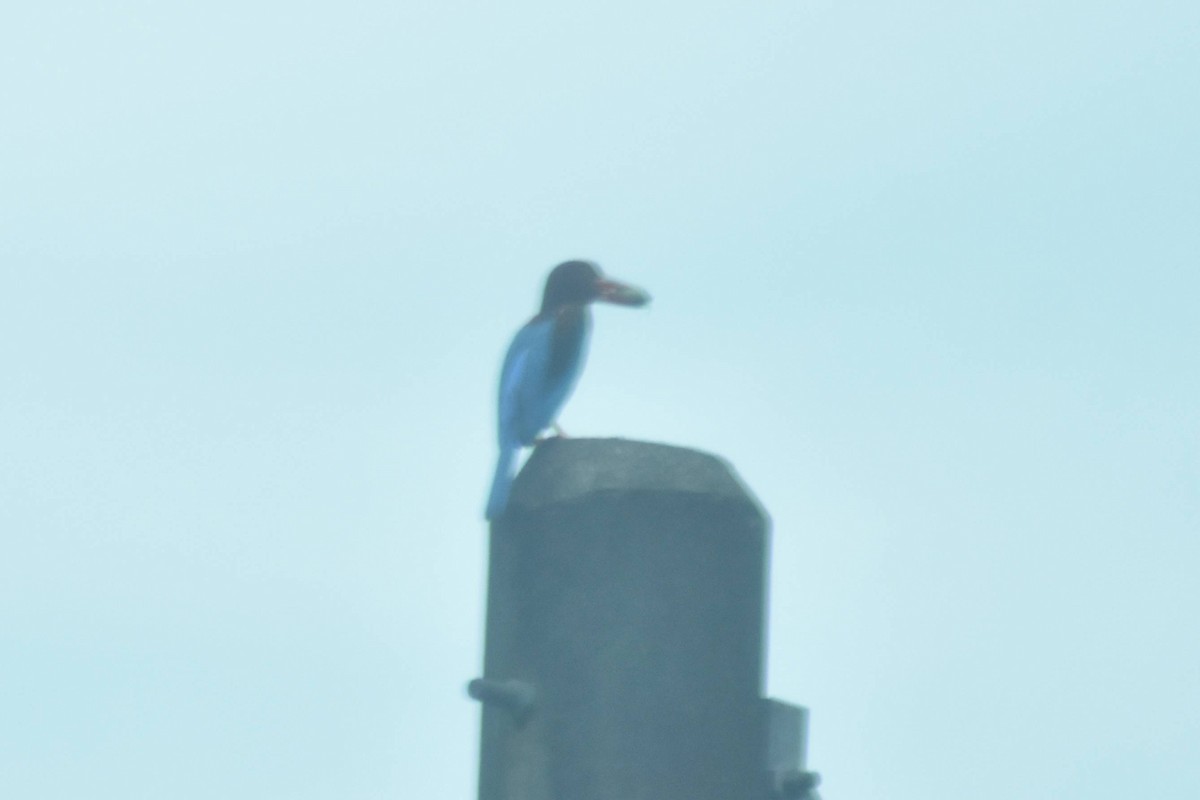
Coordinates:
(624, 653)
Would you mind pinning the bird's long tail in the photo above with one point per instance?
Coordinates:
(502, 482)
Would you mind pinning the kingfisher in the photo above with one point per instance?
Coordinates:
(545, 360)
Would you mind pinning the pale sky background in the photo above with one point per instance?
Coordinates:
(925, 273)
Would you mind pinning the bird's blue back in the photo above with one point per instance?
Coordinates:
(541, 368)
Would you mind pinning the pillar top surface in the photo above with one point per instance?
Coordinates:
(567, 471)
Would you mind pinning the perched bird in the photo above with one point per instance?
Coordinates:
(544, 362)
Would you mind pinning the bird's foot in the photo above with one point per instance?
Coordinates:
(559, 433)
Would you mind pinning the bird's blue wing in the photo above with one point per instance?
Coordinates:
(532, 391)
(524, 365)
(540, 369)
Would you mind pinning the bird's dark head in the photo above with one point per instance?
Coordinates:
(581, 282)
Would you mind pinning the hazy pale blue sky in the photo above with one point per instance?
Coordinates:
(925, 273)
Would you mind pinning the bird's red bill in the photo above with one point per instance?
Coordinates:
(621, 294)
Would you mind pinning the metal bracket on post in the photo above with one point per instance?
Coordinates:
(798, 785)
(787, 752)
(516, 697)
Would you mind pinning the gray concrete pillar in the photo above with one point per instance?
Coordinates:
(624, 653)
